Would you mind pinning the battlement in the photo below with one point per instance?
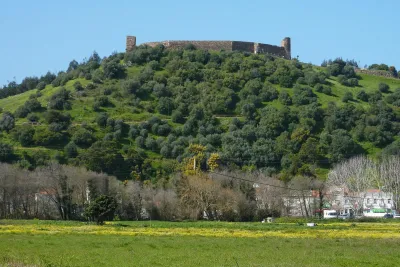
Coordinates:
(283, 51)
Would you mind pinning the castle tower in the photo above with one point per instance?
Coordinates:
(130, 43)
(286, 44)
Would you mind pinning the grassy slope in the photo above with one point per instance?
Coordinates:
(50, 244)
(82, 111)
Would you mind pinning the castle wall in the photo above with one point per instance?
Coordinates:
(208, 45)
(272, 49)
(251, 47)
(243, 46)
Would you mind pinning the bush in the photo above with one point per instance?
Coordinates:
(319, 87)
(348, 96)
(352, 82)
(32, 117)
(303, 96)
(7, 122)
(60, 100)
(177, 117)
(112, 69)
(384, 88)
(165, 105)
(46, 137)
(327, 90)
(285, 98)
(41, 86)
(78, 86)
(21, 112)
(101, 119)
(71, 150)
(24, 135)
(130, 86)
(362, 95)
(100, 209)
(83, 137)
(6, 152)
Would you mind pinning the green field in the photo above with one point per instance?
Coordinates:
(50, 243)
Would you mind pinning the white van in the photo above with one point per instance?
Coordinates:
(330, 214)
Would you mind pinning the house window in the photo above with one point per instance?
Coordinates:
(346, 201)
(375, 201)
(389, 201)
(368, 201)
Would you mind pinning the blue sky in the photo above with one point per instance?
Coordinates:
(42, 35)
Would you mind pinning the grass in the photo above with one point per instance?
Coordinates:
(52, 243)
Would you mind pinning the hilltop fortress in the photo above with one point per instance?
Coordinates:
(283, 51)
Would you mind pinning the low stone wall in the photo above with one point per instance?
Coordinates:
(381, 73)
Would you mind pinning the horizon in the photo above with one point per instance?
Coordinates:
(319, 31)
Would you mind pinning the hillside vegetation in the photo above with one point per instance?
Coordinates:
(135, 115)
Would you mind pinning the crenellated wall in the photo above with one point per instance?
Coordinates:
(283, 51)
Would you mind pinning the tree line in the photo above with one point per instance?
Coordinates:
(64, 192)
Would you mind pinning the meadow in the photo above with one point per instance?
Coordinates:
(54, 243)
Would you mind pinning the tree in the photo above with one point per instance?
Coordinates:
(165, 105)
(6, 152)
(25, 135)
(389, 170)
(78, 86)
(7, 122)
(362, 95)
(71, 150)
(83, 137)
(100, 209)
(348, 96)
(355, 175)
(383, 87)
(177, 117)
(342, 146)
(113, 69)
(101, 119)
(104, 156)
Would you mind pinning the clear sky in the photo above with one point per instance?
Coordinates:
(42, 35)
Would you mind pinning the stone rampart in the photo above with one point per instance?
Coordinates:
(251, 47)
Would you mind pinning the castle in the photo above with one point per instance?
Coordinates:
(283, 51)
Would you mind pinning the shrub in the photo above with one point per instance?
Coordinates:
(59, 100)
(362, 95)
(32, 117)
(101, 119)
(90, 86)
(348, 96)
(24, 135)
(83, 137)
(384, 88)
(6, 152)
(46, 137)
(100, 209)
(41, 86)
(78, 86)
(285, 98)
(177, 117)
(71, 150)
(352, 82)
(7, 122)
(327, 90)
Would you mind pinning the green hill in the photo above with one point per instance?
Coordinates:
(134, 115)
